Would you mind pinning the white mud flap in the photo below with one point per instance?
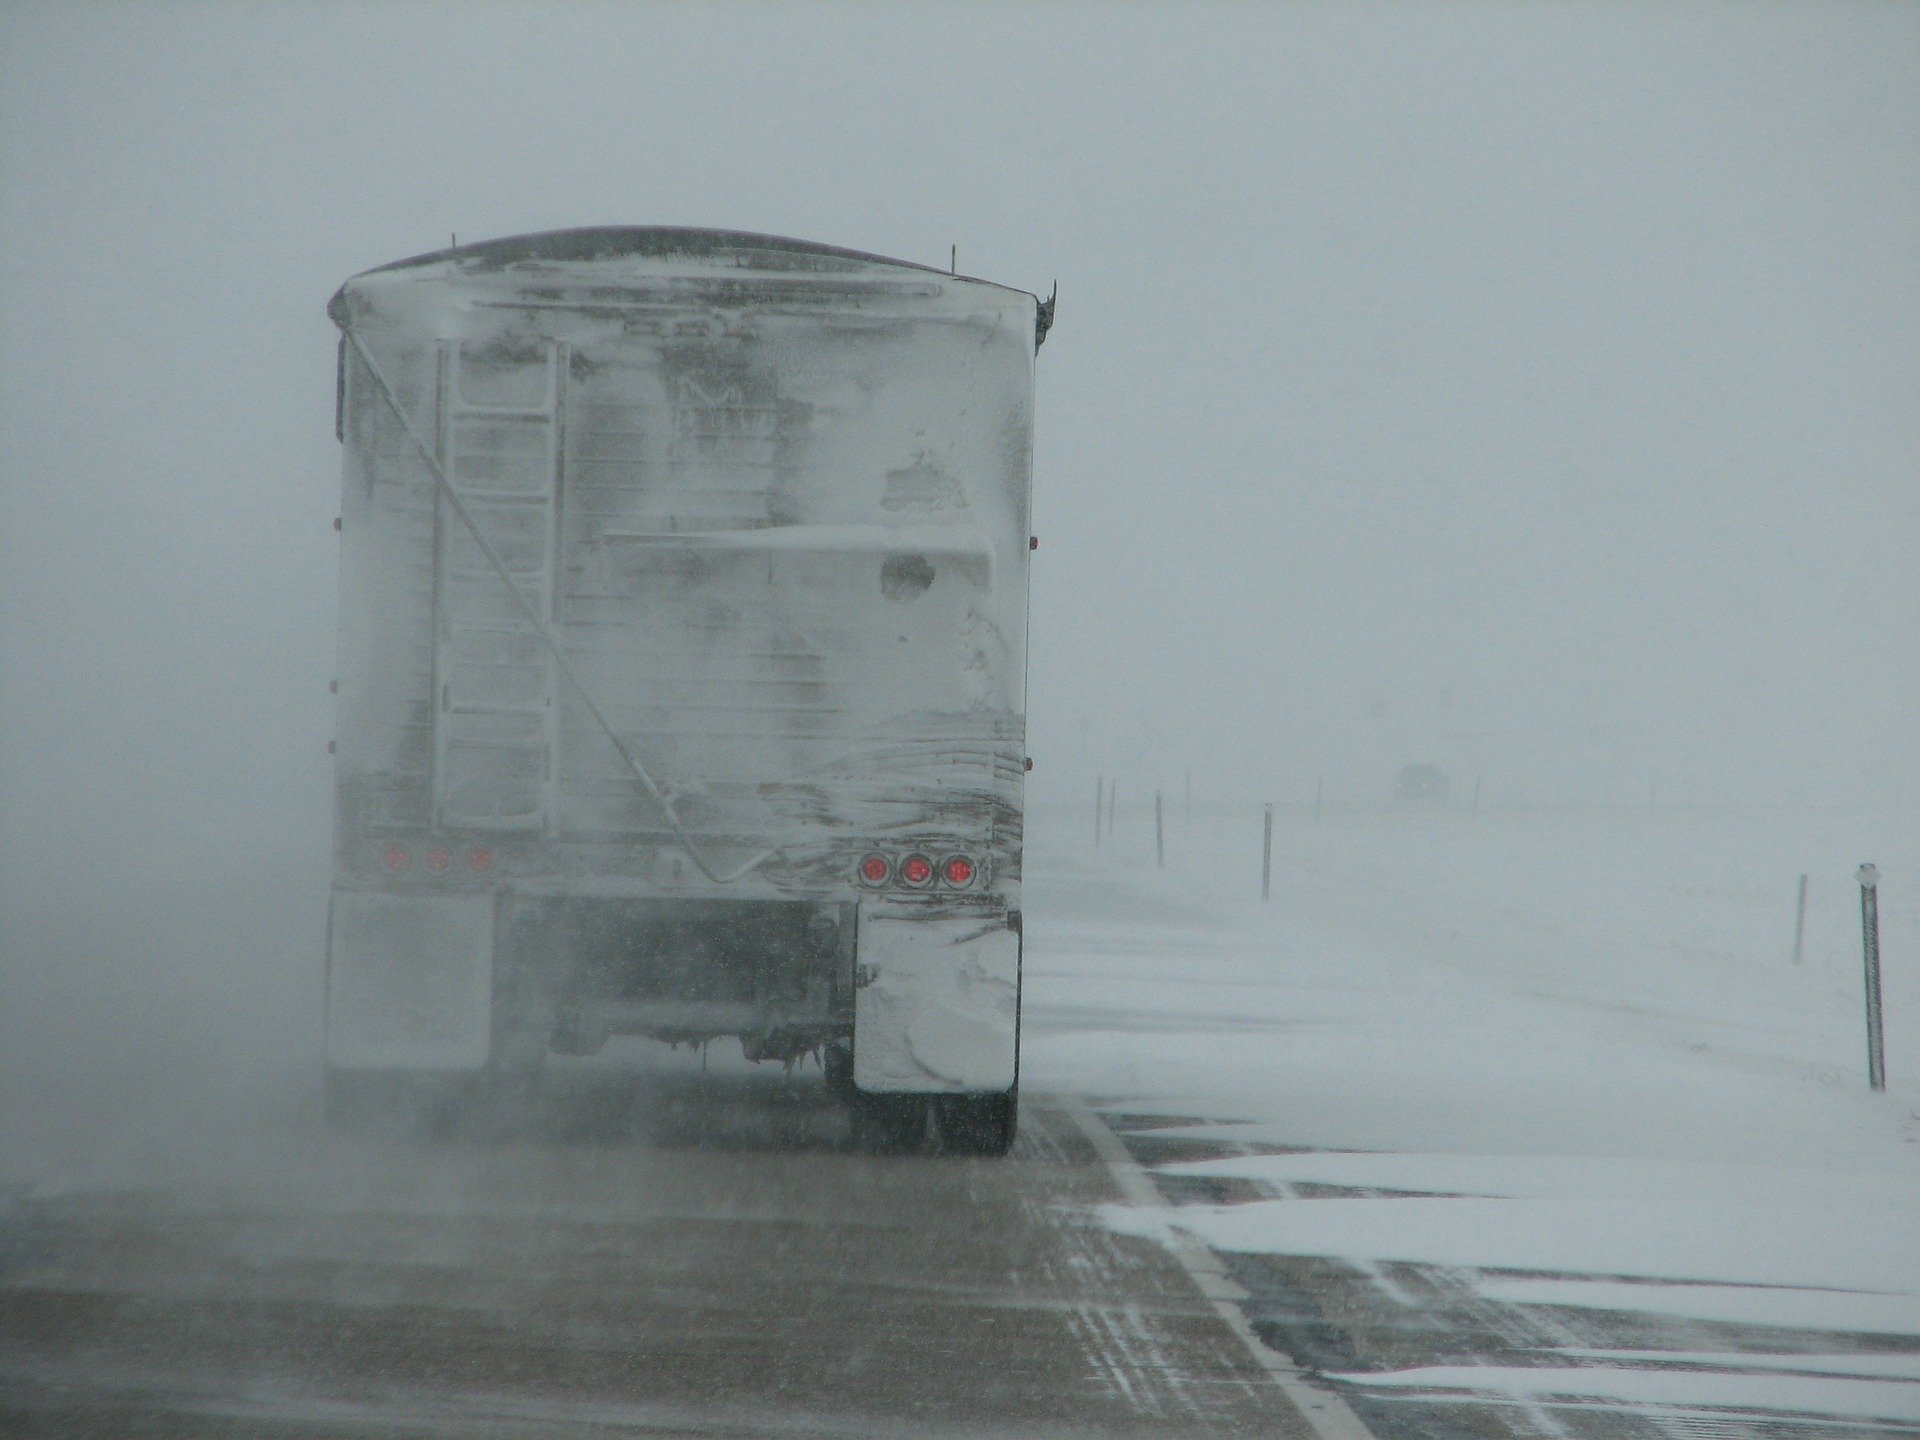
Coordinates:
(410, 982)
(939, 1013)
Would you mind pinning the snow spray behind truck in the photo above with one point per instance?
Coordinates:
(682, 665)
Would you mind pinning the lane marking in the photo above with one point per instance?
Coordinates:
(1326, 1414)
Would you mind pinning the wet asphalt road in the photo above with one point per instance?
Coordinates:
(655, 1254)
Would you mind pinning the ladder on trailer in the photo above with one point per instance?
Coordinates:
(496, 731)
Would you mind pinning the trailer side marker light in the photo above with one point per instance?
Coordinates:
(481, 859)
(875, 869)
(916, 870)
(438, 859)
(395, 858)
(958, 871)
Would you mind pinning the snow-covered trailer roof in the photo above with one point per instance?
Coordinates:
(615, 246)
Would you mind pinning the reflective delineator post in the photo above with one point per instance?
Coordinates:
(1870, 940)
(1266, 857)
(1159, 832)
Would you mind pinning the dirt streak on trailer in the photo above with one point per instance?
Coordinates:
(682, 665)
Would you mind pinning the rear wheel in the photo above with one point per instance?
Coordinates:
(836, 1062)
(889, 1123)
(979, 1124)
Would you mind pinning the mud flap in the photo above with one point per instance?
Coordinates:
(939, 1010)
(409, 982)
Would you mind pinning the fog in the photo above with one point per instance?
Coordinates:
(1526, 391)
(1530, 392)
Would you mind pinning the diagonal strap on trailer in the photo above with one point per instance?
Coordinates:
(545, 631)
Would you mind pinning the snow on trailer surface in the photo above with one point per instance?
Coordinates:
(762, 449)
(763, 505)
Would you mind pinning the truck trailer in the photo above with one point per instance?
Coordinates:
(682, 666)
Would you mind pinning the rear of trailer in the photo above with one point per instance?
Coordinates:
(682, 665)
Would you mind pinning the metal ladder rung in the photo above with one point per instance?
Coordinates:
(495, 627)
(503, 499)
(463, 411)
(468, 573)
(490, 742)
(523, 711)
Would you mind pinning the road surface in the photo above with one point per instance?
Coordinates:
(655, 1252)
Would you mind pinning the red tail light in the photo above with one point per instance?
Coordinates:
(394, 858)
(438, 859)
(875, 869)
(958, 871)
(481, 860)
(916, 870)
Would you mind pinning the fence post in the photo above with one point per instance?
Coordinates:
(1159, 833)
(1800, 922)
(1266, 857)
(1870, 942)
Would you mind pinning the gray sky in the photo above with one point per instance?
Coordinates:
(1532, 388)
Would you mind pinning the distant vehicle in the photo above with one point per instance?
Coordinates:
(682, 665)
(1420, 782)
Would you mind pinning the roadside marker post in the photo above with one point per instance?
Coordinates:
(1266, 857)
(1099, 807)
(1800, 922)
(1159, 832)
(1870, 942)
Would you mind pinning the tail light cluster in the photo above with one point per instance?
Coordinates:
(917, 871)
(436, 858)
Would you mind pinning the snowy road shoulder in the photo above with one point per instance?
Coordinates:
(1586, 1173)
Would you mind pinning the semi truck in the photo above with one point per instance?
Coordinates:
(682, 667)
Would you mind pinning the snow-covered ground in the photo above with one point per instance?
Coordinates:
(1567, 1054)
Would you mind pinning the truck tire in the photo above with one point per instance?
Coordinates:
(979, 1124)
(836, 1063)
(889, 1124)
